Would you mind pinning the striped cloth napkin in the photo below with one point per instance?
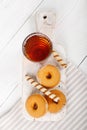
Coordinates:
(75, 119)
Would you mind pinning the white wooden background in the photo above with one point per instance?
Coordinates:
(17, 21)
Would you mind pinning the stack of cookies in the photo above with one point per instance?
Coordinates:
(52, 100)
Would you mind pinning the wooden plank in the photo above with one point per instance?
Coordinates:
(13, 14)
(69, 23)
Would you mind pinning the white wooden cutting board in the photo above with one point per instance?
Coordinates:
(16, 24)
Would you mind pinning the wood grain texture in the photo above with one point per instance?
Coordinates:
(16, 24)
(12, 17)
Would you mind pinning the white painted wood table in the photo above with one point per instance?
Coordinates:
(17, 21)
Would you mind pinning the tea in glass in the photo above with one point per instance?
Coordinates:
(37, 47)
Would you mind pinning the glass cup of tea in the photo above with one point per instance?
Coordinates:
(37, 47)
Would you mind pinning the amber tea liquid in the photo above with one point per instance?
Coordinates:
(37, 47)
